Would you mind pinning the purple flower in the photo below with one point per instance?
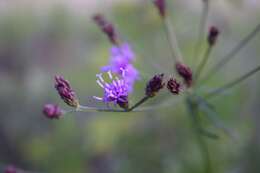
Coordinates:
(154, 85)
(116, 91)
(52, 111)
(121, 57)
(65, 91)
(10, 169)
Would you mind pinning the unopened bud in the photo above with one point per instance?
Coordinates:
(213, 35)
(154, 85)
(65, 91)
(106, 27)
(161, 6)
(185, 72)
(174, 86)
(52, 111)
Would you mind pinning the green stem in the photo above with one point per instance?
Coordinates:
(171, 38)
(232, 53)
(203, 63)
(192, 107)
(94, 109)
(144, 99)
(202, 26)
(232, 84)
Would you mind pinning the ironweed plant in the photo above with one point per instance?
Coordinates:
(186, 81)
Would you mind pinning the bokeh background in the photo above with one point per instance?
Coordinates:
(39, 39)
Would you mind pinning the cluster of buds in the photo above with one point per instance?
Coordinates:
(156, 84)
(161, 6)
(106, 27)
(213, 35)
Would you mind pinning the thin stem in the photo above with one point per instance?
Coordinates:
(144, 99)
(202, 26)
(171, 38)
(94, 109)
(232, 84)
(232, 53)
(193, 109)
(203, 63)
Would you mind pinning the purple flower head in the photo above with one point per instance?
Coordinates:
(52, 111)
(174, 86)
(154, 85)
(161, 5)
(65, 91)
(121, 57)
(10, 169)
(116, 91)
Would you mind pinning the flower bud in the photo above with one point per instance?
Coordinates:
(161, 6)
(52, 111)
(106, 27)
(174, 86)
(65, 91)
(10, 169)
(213, 35)
(185, 72)
(154, 85)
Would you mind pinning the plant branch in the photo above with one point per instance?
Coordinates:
(171, 38)
(202, 26)
(231, 84)
(232, 53)
(203, 63)
(193, 109)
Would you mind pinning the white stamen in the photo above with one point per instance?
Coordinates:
(110, 75)
(100, 84)
(98, 98)
(100, 77)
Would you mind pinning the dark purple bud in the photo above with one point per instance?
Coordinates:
(65, 91)
(106, 27)
(185, 72)
(154, 85)
(123, 102)
(161, 6)
(174, 86)
(213, 35)
(10, 169)
(52, 111)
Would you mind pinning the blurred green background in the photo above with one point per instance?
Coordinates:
(43, 38)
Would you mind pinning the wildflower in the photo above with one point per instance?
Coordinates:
(52, 111)
(10, 169)
(213, 35)
(154, 85)
(173, 86)
(106, 27)
(185, 72)
(65, 91)
(161, 6)
(121, 57)
(116, 91)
